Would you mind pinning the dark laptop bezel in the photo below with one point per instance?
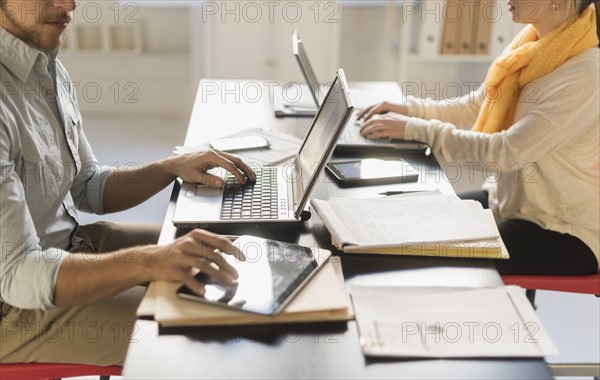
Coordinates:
(313, 88)
(353, 148)
(297, 188)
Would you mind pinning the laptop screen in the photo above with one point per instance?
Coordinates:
(322, 136)
(306, 68)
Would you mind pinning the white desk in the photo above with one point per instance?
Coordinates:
(311, 351)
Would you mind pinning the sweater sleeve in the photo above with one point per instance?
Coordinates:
(461, 112)
(560, 108)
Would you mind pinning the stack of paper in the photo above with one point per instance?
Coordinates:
(448, 322)
(324, 298)
(433, 225)
(282, 147)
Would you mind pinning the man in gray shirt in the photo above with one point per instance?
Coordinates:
(68, 292)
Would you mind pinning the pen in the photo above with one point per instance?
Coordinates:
(303, 110)
(397, 192)
(301, 106)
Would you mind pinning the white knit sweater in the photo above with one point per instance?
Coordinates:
(547, 164)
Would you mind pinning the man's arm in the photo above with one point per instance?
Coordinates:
(128, 187)
(84, 279)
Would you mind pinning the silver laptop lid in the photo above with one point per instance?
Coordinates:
(306, 68)
(321, 139)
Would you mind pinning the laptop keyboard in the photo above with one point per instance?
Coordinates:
(256, 200)
(351, 135)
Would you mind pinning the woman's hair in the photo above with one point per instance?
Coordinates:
(576, 7)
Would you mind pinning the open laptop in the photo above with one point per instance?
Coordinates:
(305, 99)
(315, 88)
(280, 192)
(351, 139)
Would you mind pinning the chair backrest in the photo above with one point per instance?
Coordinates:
(43, 371)
(574, 284)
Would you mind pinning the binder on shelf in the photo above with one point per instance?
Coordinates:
(502, 29)
(468, 26)
(430, 28)
(452, 26)
(481, 39)
(412, 224)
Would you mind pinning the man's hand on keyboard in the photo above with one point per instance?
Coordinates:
(194, 168)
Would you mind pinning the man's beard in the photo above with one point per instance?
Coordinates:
(35, 37)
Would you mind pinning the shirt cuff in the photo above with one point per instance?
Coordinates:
(416, 130)
(95, 190)
(48, 300)
(414, 106)
(29, 280)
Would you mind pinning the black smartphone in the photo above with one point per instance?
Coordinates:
(372, 171)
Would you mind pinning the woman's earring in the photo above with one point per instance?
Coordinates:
(554, 6)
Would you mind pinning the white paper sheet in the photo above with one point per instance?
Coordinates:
(282, 147)
(448, 322)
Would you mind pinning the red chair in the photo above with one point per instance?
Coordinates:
(46, 371)
(573, 284)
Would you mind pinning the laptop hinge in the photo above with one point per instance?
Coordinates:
(296, 177)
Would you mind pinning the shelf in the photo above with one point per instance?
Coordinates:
(369, 3)
(102, 39)
(451, 58)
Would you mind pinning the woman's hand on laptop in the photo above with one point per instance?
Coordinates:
(382, 108)
(390, 126)
(194, 168)
(198, 249)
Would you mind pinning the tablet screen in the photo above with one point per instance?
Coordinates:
(271, 275)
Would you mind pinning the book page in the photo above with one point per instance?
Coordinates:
(340, 234)
(394, 221)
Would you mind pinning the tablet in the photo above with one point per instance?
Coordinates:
(273, 273)
(372, 171)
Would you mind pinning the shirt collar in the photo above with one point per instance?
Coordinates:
(18, 57)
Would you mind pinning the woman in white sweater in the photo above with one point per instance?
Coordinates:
(535, 124)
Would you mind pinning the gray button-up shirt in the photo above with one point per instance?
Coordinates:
(47, 171)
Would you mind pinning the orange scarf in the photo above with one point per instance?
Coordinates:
(528, 60)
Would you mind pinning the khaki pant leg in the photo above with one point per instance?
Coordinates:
(108, 237)
(97, 333)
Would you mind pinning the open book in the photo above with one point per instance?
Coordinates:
(412, 224)
(324, 298)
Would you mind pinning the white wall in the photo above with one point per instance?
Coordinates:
(153, 80)
(159, 77)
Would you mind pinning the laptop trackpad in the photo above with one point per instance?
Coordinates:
(202, 191)
(206, 200)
